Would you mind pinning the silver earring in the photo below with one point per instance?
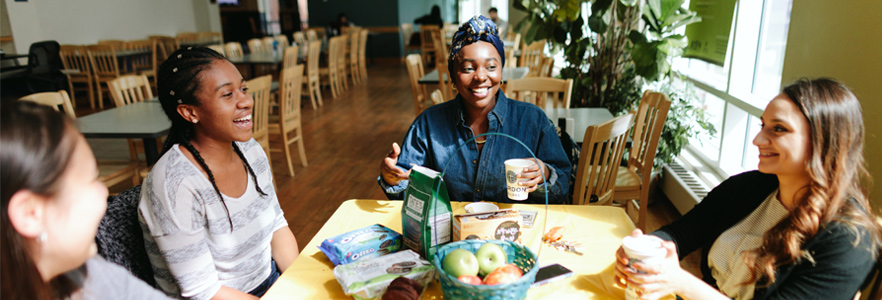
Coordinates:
(42, 237)
(195, 121)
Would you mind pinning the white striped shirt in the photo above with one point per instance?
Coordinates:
(187, 231)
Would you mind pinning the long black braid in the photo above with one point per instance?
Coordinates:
(178, 81)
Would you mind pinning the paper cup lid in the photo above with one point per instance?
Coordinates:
(643, 246)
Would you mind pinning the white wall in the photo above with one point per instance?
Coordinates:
(87, 21)
(842, 40)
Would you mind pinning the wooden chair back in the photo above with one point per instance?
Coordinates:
(289, 114)
(312, 74)
(255, 46)
(211, 37)
(406, 32)
(415, 71)
(342, 71)
(649, 122)
(143, 62)
(74, 57)
(362, 56)
(311, 35)
(445, 82)
(268, 43)
(186, 38)
(436, 97)
(53, 99)
(530, 56)
(427, 41)
(103, 60)
(233, 49)
(546, 67)
(218, 48)
(129, 89)
(538, 90)
(260, 90)
(165, 45)
(510, 59)
(299, 38)
(599, 160)
(291, 58)
(354, 43)
(333, 68)
(116, 44)
(282, 41)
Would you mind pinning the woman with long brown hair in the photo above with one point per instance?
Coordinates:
(800, 227)
(52, 202)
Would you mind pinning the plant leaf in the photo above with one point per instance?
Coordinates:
(673, 45)
(636, 37)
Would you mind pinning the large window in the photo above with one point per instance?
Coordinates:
(736, 93)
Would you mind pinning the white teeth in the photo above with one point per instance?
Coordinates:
(246, 118)
(479, 91)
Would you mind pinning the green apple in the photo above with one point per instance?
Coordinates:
(460, 262)
(490, 256)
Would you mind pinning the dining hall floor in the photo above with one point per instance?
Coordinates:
(345, 141)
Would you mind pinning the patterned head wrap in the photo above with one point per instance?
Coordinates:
(478, 28)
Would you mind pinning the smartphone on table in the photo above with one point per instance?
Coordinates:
(551, 273)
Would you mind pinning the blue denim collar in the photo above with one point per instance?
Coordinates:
(498, 113)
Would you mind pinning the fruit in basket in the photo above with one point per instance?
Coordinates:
(470, 279)
(490, 256)
(460, 262)
(505, 274)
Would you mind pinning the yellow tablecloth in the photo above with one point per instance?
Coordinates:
(600, 229)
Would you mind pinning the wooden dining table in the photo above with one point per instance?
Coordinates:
(507, 73)
(140, 120)
(599, 229)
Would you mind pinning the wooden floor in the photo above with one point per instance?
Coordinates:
(345, 142)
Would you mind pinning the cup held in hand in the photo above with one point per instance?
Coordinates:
(512, 168)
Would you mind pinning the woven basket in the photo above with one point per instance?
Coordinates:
(519, 255)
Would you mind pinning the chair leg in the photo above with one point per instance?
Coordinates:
(318, 93)
(287, 150)
(301, 148)
(91, 93)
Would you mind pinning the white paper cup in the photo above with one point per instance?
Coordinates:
(646, 249)
(480, 207)
(512, 168)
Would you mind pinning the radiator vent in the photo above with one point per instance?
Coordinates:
(682, 187)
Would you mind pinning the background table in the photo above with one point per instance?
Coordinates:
(599, 228)
(144, 120)
(507, 73)
(582, 118)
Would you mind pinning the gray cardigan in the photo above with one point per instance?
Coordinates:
(839, 269)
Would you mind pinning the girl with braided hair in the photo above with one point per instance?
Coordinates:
(800, 227)
(212, 223)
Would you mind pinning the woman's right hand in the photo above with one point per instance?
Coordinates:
(389, 169)
(622, 262)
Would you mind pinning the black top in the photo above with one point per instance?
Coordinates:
(839, 269)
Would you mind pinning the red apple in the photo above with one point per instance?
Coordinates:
(460, 262)
(505, 274)
(470, 279)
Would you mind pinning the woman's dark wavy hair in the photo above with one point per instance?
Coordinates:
(36, 145)
(179, 78)
(836, 168)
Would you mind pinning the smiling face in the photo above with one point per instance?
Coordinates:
(224, 110)
(784, 141)
(478, 74)
(73, 213)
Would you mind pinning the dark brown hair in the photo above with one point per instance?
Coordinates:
(836, 168)
(36, 145)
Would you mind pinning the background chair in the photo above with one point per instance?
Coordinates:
(186, 38)
(144, 64)
(537, 90)
(120, 238)
(531, 55)
(78, 71)
(299, 38)
(427, 44)
(282, 42)
(116, 44)
(130, 88)
(292, 56)
(44, 67)
(233, 49)
(633, 182)
(313, 86)
(332, 72)
(406, 33)
(311, 35)
(289, 118)
(362, 57)
(218, 48)
(445, 83)
(269, 44)
(599, 161)
(415, 70)
(256, 46)
(342, 72)
(110, 172)
(354, 42)
(104, 68)
(436, 97)
(259, 88)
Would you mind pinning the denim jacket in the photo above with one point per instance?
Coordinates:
(472, 176)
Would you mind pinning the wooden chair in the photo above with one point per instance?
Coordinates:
(312, 35)
(282, 41)
(415, 71)
(427, 45)
(342, 72)
(445, 82)
(186, 38)
(104, 68)
(332, 71)
(537, 89)
(530, 57)
(110, 172)
(436, 97)
(292, 57)
(78, 70)
(255, 46)
(406, 33)
(354, 42)
(144, 64)
(260, 90)
(268, 43)
(633, 182)
(218, 48)
(233, 49)
(599, 160)
(116, 44)
(129, 89)
(289, 115)
(313, 84)
(510, 59)
(211, 37)
(165, 45)
(362, 57)
(299, 38)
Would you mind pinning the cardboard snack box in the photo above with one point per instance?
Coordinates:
(502, 225)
